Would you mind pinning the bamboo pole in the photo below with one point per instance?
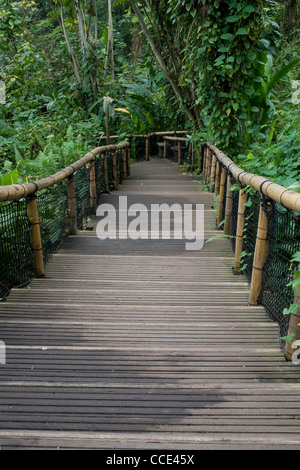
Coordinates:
(165, 149)
(93, 187)
(217, 178)
(204, 162)
(239, 231)
(221, 196)
(128, 160)
(169, 132)
(228, 208)
(294, 325)
(213, 173)
(179, 153)
(260, 253)
(176, 139)
(115, 170)
(147, 148)
(124, 158)
(72, 204)
(209, 164)
(35, 236)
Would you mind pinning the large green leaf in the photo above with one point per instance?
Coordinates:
(282, 73)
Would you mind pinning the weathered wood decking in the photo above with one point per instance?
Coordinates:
(143, 345)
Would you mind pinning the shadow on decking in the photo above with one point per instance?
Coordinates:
(109, 390)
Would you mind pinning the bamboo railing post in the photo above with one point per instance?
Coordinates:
(93, 187)
(35, 236)
(179, 152)
(213, 173)
(239, 231)
(128, 160)
(228, 207)
(115, 170)
(72, 204)
(209, 164)
(293, 325)
(261, 251)
(217, 178)
(165, 148)
(221, 196)
(147, 147)
(124, 158)
(204, 162)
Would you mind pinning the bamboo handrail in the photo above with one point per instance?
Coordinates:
(18, 191)
(131, 136)
(280, 194)
(270, 191)
(176, 139)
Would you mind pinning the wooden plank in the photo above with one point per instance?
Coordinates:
(143, 345)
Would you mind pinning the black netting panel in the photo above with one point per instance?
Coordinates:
(153, 147)
(224, 198)
(284, 241)
(54, 219)
(82, 191)
(110, 171)
(172, 151)
(234, 214)
(202, 147)
(249, 233)
(185, 156)
(138, 148)
(16, 256)
(99, 172)
(120, 166)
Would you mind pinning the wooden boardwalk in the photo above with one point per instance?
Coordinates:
(144, 345)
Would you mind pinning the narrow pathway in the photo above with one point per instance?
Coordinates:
(144, 345)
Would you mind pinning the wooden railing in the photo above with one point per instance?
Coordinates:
(219, 173)
(29, 191)
(170, 135)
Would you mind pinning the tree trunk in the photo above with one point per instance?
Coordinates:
(69, 46)
(110, 46)
(172, 80)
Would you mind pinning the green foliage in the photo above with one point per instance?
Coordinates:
(293, 308)
(231, 63)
